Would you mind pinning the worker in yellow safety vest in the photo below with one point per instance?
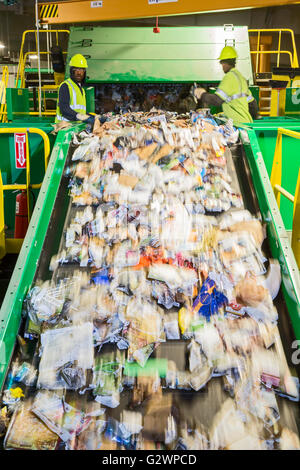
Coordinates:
(232, 94)
(71, 104)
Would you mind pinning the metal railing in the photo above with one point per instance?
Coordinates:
(3, 86)
(265, 92)
(22, 78)
(11, 245)
(23, 55)
(258, 53)
(275, 179)
(21, 71)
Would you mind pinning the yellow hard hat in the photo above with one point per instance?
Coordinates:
(78, 61)
(228, 52)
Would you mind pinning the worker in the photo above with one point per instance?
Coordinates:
(232, 94)
(71, 104)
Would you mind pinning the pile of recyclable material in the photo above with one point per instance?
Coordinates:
(157, 327)
(135, 97)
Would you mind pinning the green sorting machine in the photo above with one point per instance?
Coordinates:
(266, 131)
(127, 55)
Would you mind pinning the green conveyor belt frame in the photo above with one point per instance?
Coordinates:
(23, 276)
(266, 133)
(155, 59)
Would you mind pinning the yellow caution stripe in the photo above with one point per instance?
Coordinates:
(48, 10)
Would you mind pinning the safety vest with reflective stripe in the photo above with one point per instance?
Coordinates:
(77, 100)
(234, 90)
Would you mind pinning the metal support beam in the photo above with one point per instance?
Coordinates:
(108, 10)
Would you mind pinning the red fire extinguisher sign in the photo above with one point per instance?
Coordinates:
(20, 150)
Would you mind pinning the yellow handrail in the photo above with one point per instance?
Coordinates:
(275, 179)
(35, 113)
(55, 87)
(22, 61)
(10, 244)
(26, 130)
(273, 52)
(22, 73)
(294, 56)
(3, 86)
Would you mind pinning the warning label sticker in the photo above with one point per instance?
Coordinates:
(20, 151)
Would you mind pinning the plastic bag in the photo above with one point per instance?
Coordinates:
(87, 148)
(171, 326)
(163, 294)
(27, 432)
(118, 433)
(210, 300)
(45, 303)
(63, 346)
(24, 373)
(107, 384)
(59, 416)
(210, 341)
(131, 422)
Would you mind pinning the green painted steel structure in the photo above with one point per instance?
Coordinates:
(292, 106)
(266, 133)
(174, 55)
(277, 235)
(11, 175)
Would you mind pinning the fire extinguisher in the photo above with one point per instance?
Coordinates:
(21, 216)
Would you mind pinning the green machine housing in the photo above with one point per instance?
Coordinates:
(174, 55)
(137, 55)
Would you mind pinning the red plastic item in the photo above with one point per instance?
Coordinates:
(21, 216)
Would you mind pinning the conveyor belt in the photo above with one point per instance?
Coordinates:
(198, 406)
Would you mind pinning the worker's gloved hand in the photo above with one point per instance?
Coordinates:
(102, 119)
(90, 120)
(198, 92)
(82, 117)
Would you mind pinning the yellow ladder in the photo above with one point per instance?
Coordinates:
(23, 57)
(259, 54)
(55, 35)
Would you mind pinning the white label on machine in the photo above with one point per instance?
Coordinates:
(96, 4)
(154, 2)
